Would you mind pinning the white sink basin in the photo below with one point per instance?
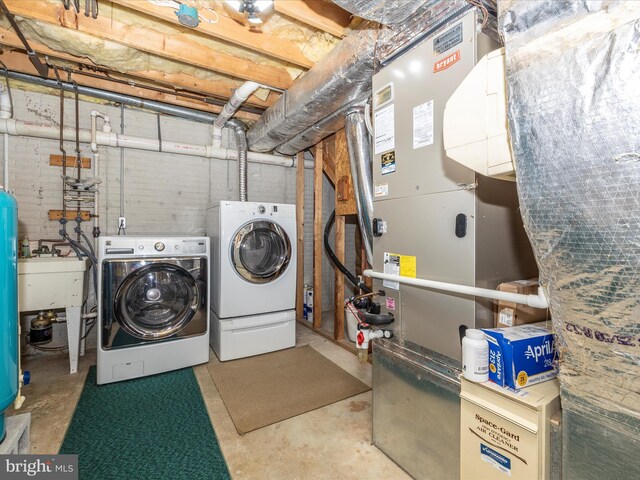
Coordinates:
(50, 282)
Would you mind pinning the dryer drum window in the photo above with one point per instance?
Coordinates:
(156, 301)
(260, 251)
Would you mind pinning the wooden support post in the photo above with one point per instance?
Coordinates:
(300, 235)
(338, 320)
(317, 237)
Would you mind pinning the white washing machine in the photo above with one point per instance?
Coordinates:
(153, 305)
(253, 289)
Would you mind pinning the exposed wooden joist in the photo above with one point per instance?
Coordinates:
(300, 235)
(171, 80)
(338, 318)
(177, 47)
(19, 62)
(319, 14)
(229, 30)
(317, 237)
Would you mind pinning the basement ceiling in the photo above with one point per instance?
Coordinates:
(138, 47)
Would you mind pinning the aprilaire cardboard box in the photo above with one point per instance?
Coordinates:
(521, 356)
(511, 314)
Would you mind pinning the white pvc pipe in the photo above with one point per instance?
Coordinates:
(243, 92)
(536, 301)
(111, 139)
(5, 112)
(5, 183)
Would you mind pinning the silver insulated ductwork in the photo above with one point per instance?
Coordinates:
(574, 115)
(359, 148)
(341, 78)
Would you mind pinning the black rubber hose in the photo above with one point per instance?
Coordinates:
(332, 256)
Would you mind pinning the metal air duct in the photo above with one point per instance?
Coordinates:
(360, 160)
(343, 77)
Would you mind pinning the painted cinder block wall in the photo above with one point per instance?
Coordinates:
(164, 193)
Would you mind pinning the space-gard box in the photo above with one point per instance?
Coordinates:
(521, 356)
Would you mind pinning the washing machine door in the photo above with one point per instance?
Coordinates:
(260, 251)
(156, 301)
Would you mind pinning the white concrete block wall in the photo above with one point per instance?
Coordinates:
(164, 193)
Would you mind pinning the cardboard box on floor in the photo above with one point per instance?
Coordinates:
(510, 314)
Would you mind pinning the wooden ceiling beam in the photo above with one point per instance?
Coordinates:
(170, 80)
(177, 47)
(324, 16)
(19, 62)
(230, 31)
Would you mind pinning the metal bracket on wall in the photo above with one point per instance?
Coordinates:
(43, 69)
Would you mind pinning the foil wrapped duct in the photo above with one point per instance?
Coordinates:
(574, 117)
(386, 12)
(313, 107)
(342, 77)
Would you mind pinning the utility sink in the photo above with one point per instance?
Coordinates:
(50, 283)
(46, 283)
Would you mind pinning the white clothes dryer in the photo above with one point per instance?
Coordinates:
(253, 287)
(153, 305)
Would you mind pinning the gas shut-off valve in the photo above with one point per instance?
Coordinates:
(366, 334)
(369, 317)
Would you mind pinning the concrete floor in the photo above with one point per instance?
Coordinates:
(328, 443)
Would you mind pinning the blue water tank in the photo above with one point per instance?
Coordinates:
(8, 304)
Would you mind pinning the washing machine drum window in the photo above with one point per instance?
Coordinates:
(261, 251)
(156, 301)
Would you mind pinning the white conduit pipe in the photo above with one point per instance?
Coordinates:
(243, 92)
(5, 112)
(111, 139)
(536, 301)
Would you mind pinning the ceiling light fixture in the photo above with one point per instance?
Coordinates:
(251, 7)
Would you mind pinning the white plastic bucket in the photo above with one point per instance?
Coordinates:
(351, 322)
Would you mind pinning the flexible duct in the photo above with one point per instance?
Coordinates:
(238, 98)
(359, 148)
(241, 146)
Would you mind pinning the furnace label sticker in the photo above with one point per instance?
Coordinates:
(381, 190)
(423, 125)
(388, 162)
(391, 267)
(448, 39)
(394, 264)
(391, 303)
(384, 130)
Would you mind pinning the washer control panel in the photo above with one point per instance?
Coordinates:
(168, 246)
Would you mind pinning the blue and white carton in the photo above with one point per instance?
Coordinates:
(521, 356)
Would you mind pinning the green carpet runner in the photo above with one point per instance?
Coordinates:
(149, 428)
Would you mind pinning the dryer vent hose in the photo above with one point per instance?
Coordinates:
(332, 256)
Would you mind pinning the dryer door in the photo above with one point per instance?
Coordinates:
(260, 251)
(156, 301)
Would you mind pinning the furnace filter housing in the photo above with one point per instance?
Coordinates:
(8, 304)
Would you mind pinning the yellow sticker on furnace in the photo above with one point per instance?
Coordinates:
(408, 266)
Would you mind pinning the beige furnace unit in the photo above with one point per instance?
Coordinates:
(506, 434)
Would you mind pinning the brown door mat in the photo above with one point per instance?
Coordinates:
(259, 391)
